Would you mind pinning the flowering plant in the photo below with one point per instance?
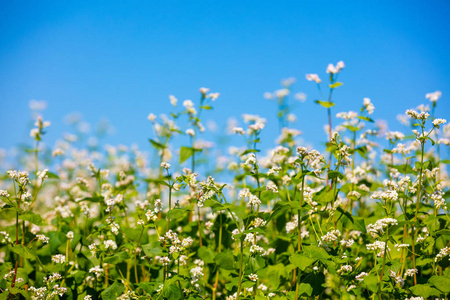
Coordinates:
(365, 218)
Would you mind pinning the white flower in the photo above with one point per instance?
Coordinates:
(203, 90)
(335, 69)
(411, 272)
(442, 253)
(300, 97)
(213, 96)
(58, 259)
(360, 276)
(188, 103)
(110, 244)
(313, 77)
(423, 115)
(151, 117)
(437, 122)
(433, 97)
(42, 174)
(272, 187)
(345, 269)
(238, 130)
(165, 165)
(97, 271)
(165, 261)
(251, 160)
(173, 100)
(368, 105)
(253, 277)
(281, 93)
(43, 238)
(268, 95)
(190, 132)
(34, 132)
(255, 249)
(377, 246)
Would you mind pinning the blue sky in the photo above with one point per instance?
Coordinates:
(121, 59)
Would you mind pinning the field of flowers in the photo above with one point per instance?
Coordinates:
(367, 218)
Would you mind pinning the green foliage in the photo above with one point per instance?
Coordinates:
(289, 223)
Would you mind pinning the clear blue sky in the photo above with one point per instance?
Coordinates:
(121, 59)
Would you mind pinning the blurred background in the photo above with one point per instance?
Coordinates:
(120, 60)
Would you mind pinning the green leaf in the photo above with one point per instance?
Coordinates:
(315, 252)
(275, 272)
(23, 251)
(442, 232)
(360, 224)
(176, 213)
(325, 104)
(79, 276)
(335, 85)
(135, 233)
(424, 291)
(15, 291)
(351, 128)
(57, 238)
(186, 152)
(301, 261)
(365, 119)
(305, 288)
(441, 282)
(156, 144)
(52, 175)
(153, 249)
(206, 254)
(225, 260)
(93, 199)
(335, 174)
(233, 282)
(316, 281)
(113, 291)
(423, 261)
(207, 107)
(164, 183)
(371, 283)
(32, 218)
(171, 291)
(117, 258)
(84, 262)
(250, 151)
(362, 151)
(346, 214)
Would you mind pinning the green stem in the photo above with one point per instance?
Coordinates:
(240, 268)
(299, 235)
(418, 200)
(219, 246)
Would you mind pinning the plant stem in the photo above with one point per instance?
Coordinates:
(240, 268)
(216, 282)
(418, 200)
(299, 245)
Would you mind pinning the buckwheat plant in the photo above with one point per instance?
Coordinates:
(363, 217)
